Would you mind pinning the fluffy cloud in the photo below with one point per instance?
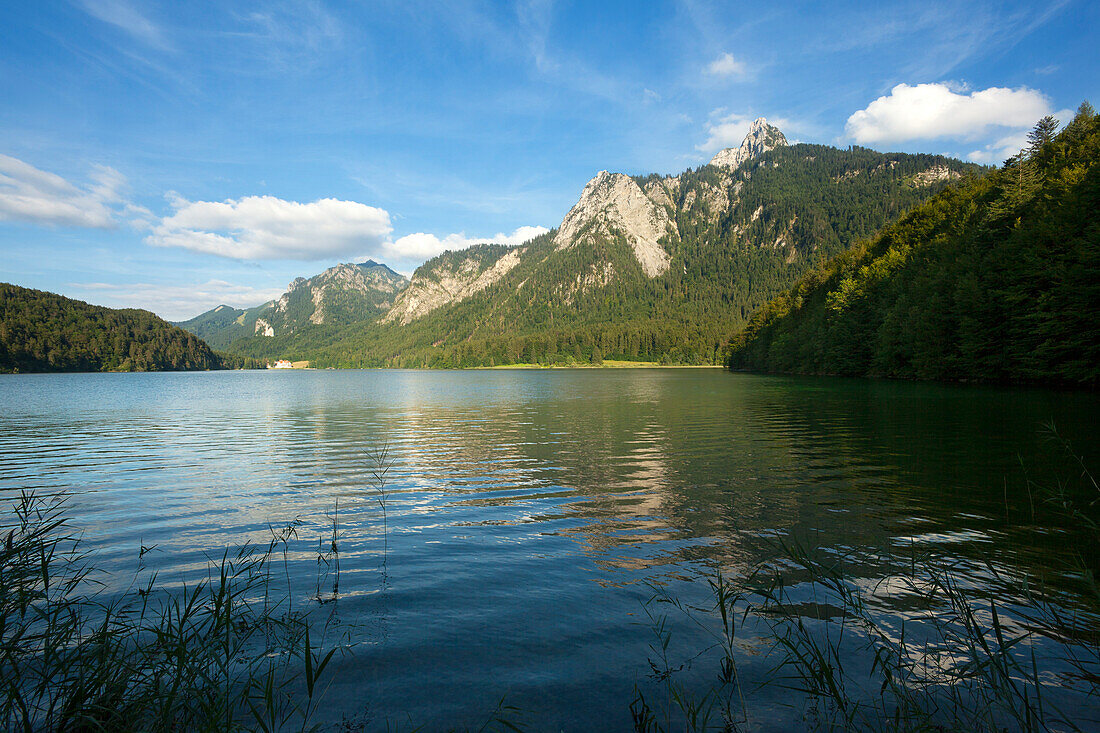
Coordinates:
(421, 246)
(726, 65)
(269, 228)
(174, 302)
(928, 111)
(36, 196)
(725, 132)
(1006, 146)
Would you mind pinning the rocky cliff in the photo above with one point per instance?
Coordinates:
(613, 204)
(452, 277)
(761, 138)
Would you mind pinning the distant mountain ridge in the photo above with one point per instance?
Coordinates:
(346, 293)
(223, 324)
(654, 267)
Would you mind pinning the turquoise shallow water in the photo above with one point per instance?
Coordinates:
(527, 510)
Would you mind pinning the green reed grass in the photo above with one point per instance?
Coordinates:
(220, 654)
(230, 652)
(382, 463)
(960, 658)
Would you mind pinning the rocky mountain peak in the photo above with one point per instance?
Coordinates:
(362, 277)
(615, 202)
(761, 138)
(345, 292)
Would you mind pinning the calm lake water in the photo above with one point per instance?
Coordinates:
(528, 510)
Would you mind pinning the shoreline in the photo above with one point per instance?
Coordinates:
(619, 365)
(605, 365)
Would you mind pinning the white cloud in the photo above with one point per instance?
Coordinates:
(174, 302)
(726, 65)
(725, 132)
(269, 228)
(122, 14)
(1009, 145)
(421, 246)
(928, 111)
(290, 35)
(36, 196)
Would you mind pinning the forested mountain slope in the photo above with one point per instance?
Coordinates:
(660, 268)
(997, 278)
(45, 332)
(223, 325)
(346, 293)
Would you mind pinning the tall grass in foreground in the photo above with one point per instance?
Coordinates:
(926, 646)
(231, 652)
(221, 654)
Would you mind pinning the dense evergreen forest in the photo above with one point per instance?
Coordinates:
(779, 215)
(995, 279)
(45, 332)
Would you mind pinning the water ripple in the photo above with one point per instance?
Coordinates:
(524, 509)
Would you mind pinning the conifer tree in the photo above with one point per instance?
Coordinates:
(1040, 135)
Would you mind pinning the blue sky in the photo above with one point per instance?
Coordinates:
(174, 156)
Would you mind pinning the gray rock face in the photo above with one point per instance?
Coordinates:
(935, 174)
(611, 205)
(614, 203)
(450, 279)
(762, 137)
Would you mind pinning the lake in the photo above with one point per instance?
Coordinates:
(531, 513)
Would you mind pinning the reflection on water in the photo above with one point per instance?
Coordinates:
(526, 508)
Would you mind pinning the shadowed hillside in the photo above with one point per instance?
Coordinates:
(997, 278)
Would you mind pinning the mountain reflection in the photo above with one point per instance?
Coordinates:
(526, 510)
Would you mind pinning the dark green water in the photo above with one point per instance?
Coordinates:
(528, 508)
